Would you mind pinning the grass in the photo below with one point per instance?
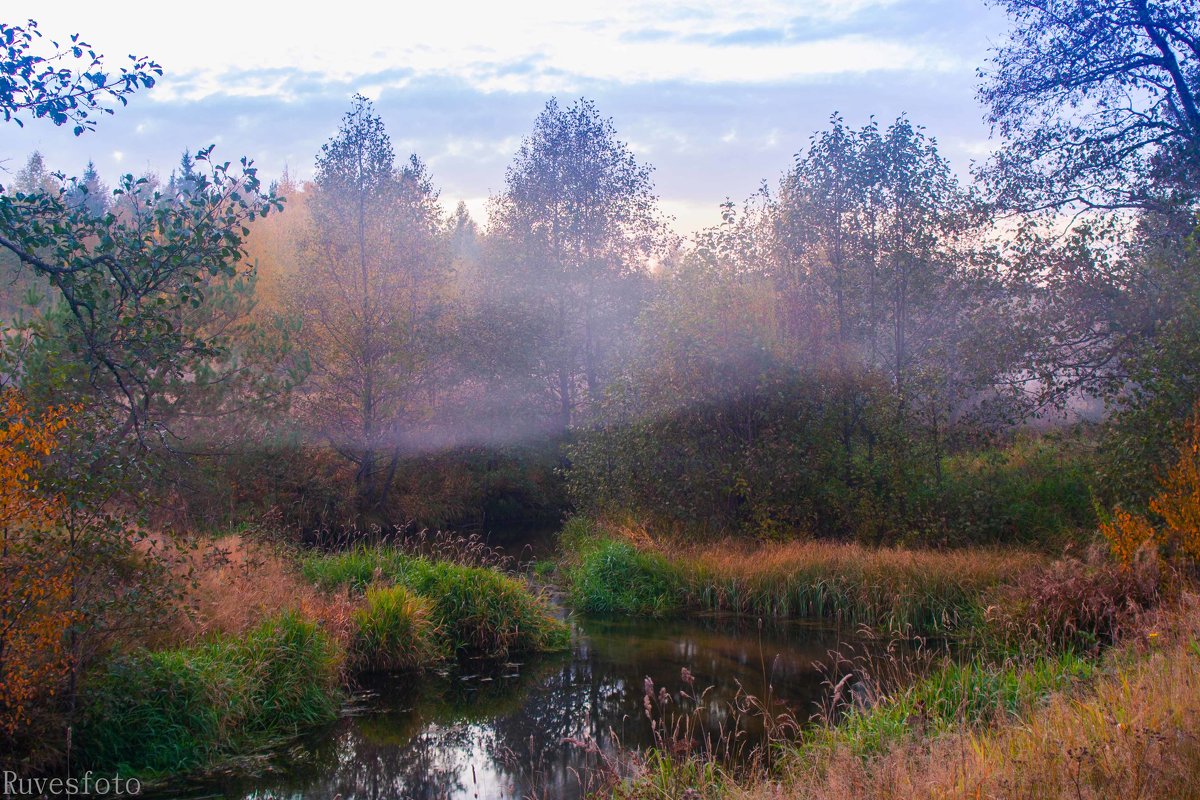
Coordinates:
(394, 631)
(953, 695)
(614, 577)
(1046, 728)
(180, 709)
(230, 683)
(481, 610)
(233, 583)
(625, 570)
(1130, 733)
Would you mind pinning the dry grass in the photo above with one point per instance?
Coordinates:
(1132, 734)
(888, 587)
(236, 583)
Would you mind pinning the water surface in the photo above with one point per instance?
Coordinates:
(518, 729)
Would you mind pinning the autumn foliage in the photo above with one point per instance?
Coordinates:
(1177, 504)
(34, 588)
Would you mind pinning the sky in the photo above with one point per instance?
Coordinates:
(717, 96)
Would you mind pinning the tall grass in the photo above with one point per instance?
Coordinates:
(181, 709)
(1050, 728)
(394, 631)
(1131, 733)
(481, 610)
(950, 696)
(616, 578)
(625, 570)
(893, 588)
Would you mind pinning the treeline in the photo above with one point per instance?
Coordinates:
(849, 353)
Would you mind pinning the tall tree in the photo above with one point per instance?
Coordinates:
(127, 332)
(374, 266)
(89, 191)
(576, 227)
(1099, 103)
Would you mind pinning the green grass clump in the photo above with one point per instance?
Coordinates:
(613, 577)
(481, 610)
(394, 631)
(484, 611)
(177, 710)
(356, 568)
(950, 697)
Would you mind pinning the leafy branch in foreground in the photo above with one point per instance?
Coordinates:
(128, 278)
(52, 86)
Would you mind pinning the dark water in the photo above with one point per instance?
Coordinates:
(503, 732)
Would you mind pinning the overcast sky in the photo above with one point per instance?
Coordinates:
(718, 96)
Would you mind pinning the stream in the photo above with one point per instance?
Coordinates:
(523, 729)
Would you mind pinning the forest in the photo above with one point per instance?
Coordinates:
(886, 486)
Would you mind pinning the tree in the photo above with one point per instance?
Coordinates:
(129, 334)
(124, 280)
(1099, 103)
(575, 230)
(34, 176)
(89, 192)
(872, 245)
(45, 86)
(373, 267)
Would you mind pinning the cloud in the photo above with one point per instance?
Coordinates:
(461, 85)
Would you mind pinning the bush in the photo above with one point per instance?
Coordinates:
(1073, 604)
(1034, 491)
(395, 631)
(182, 709)
(614, 577)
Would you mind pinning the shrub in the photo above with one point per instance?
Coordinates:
(1071, 603)
(1034, 491)
(394, 631)
(182, 709)
(1177, 504)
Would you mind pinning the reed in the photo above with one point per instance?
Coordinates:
(624, 569)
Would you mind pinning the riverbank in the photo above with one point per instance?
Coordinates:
(625, 569)
(270, 642)
(1121, 725)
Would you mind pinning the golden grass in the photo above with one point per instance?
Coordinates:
(1135, 733)
(978, 566)
(888, 586)
(236, 583)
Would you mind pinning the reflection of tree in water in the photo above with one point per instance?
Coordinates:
(506, 732)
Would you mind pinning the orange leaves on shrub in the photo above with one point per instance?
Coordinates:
(34, 587)
(1177, 503)
(1126, 534)
(24, 441)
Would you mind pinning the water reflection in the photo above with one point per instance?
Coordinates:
(503, 731)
